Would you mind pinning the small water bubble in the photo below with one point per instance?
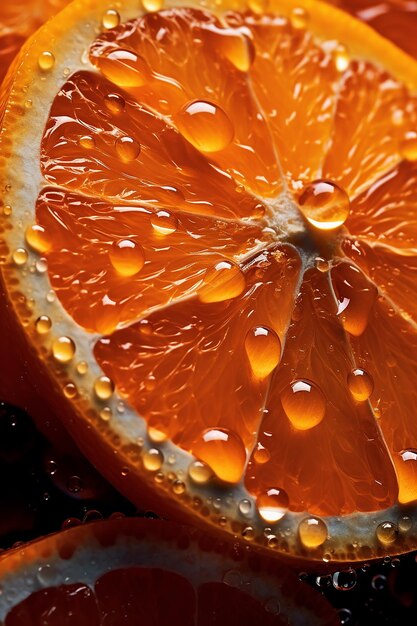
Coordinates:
(245, 507)
(46, 60)
(345, 580)
(302, 577)
(37, 238)
(43, 325)
(178, 487)
(200, 472)
(324, 204)
(153, 460)
(110, 19)
(345, 616)
(263, 349)
(127, 148)
(405, 523)
(156, 435)
(41, 266)
(47, 574)
(63, 349)
(114, 103)
(304, 404)
(205, 125)
(312, 532)
(164, 222)
(379, 582)
(70, 391)
(321, 264)
(324, 581)
(74, 484)
(272, 504)
(360, 384)
(261, 454)
(127, 257)
(233, 578)
(20, 257)
(82, 368)
(387, 532)
(223, 451)
(223, 281)
(106, 414)
(248, 533)
(103, 388)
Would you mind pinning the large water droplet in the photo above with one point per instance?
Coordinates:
(223, 281)
(324, 204)
(272, 504)
(37, 238)
(205, 125)
(164, 223)
(127, 148)
(360, 384)
(313, 532)
(387, 532)
(63, 349)
(124, 68)
(127, 257)
(223, 451)
(304, 404)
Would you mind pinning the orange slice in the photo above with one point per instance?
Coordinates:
(20, 19)
(209, 256)
(120, 569)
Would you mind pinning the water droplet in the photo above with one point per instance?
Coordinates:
(232, 578)
(261, 455)
(156, 435)
(63, 349)
(37, 238)
(345, 580)
(245, 507)
(152, 5)
(405, 523)
(7, 210)
(43, 324)
(324, 204)
(379, 582)
(103, 388)
(224, 451)
(321, 264)
(70, 390)
(304, 404)
(408, 146)
(178, 487)
(341, 58)
(110, 19)
(153, 460)
(114, 103)
(248, 533)
(124, 68)
(299, 18)
(20, 257)
(272, 504)
(360, 384)
(164, 223)
(205, 125)
(106, 414)
(223, 281)
(345, 616)
(127, 148)
(127, 257)
(82, 368)
(46, 60)
(263, 349)
(74, 484)
(47, 575)
(200, 472)
(87, 142)
(406, 466)
(312, 531)
(387, 532)
(41, 266)
(324, 581)
(356, 297)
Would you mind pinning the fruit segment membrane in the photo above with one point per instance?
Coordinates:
(230, 205)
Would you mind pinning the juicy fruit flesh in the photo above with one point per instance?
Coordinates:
(134, 140)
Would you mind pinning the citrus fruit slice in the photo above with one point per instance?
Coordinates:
(18, 20)
(122, 570)
(209, 257)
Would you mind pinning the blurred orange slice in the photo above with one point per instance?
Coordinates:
(209, 251)
(115, 571)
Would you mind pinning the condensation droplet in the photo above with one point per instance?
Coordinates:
(205, 125)
(360, 384)
(63, 349)
(245, 507)
(153, 460)
(110, 19)
(127, 148)
(387, 532)
(223, 281)
(164, 223)
(127, 257)
(248, 533)
(261, 454)
(223, 451)
(70, 391)
(324, 204)
(46, 60)
(200, 472)
(82, 368)
(103, 387)
(87, 142)
(263, 349)
(20, 257)
(43, 324)
(178, 487)
(304, 404)
(106, 414)
(312, 532)
(38, 239)
(114, 103)
(272, 504)
(345, 580)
